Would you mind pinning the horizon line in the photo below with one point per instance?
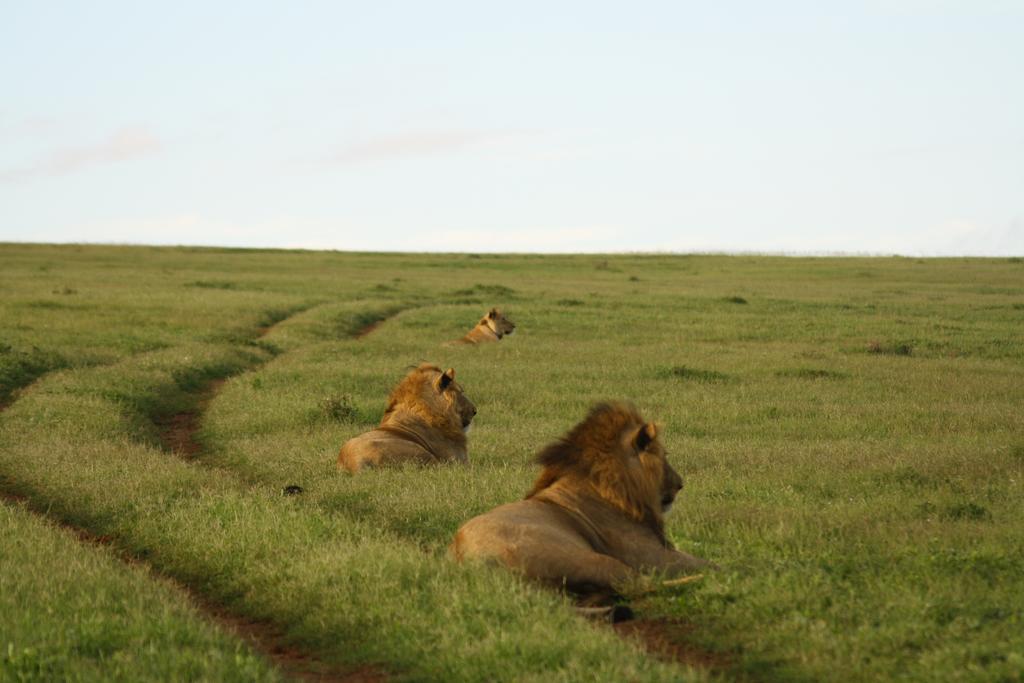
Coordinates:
(654, 252)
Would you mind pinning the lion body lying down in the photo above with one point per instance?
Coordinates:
(593, 521)
(425, 422)
(492, 327)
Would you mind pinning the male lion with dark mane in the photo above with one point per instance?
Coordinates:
(593, 521)
(492, 327)
(425, 422)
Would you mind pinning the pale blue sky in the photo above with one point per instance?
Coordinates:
(883, 126)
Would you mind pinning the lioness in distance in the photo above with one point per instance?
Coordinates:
(593, 520)
(492, 327)
(425, 422)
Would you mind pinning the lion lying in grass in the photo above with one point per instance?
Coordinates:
(593, 520)
(425, 422)
(492, 327)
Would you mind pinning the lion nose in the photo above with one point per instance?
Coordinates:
(474, 411)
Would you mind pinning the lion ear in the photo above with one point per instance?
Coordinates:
(644, 436)
(446, 378)
(493, 313)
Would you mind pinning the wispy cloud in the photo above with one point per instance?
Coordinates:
(124, 145)
(417, 144)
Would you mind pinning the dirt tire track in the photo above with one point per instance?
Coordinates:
(178, 436)
(262, 636)
(666, 638)
(177, 431)
(661, 637)
(370, 327)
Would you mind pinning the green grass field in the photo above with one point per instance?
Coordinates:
(851, 433)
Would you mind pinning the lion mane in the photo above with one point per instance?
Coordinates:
(425, 422)
(582, 459)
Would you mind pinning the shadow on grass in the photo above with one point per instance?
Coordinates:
(811, 373)
(689, 374)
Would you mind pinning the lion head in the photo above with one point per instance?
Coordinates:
(498, 323)
(435, 397)
(616, 455)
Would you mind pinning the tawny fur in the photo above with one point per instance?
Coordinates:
(425, 422)
(491, 328)
(593, 521)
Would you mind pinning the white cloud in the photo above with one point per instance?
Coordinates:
(418, 143)
(971, 240)
(124, 145)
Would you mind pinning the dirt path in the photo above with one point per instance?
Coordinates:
(264, 637)
(178, 436)
(667, 639)
(662, 637)
(369, 328)
(178, 431)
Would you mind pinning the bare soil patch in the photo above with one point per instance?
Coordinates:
(178, 430)
(668, 639)
(368, 329)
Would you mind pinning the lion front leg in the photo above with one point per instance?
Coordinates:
(648, 555)
(678, 562)
(583, 572)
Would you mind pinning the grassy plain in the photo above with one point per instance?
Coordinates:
(72, 612)
(850, 431)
